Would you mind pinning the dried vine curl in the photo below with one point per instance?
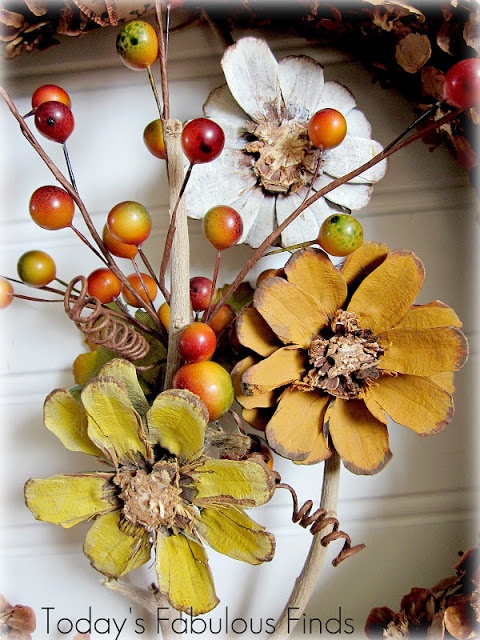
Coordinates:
(100, 326)
(319, 520)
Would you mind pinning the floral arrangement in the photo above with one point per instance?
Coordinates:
(318, 356)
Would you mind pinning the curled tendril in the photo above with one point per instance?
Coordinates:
(100, 326)
(319, 520)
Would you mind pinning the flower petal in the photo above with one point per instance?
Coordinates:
(249, 402)
(320, 452)
(251, 71)
(313, 271)
(360, 439)
(357, 124)
(113, 424)
(114, 552)
(177, 422)
(254, 333)
(349, 195)
(296, 424)
(67, 499)
(425, 316)
(352, 153)
(414, 402)
(336, 96)
(183, 574)
(245, 483)
(444, 380)
(249, 206)
(385, 296)
(264, 222)
(126, 372)
(362, 262)
(294, 315)
(204, 190)
(423, 352)
(232, 532)
(301, 82)
(282, 367)
(258, 418)
(66, 417)
(305, 227)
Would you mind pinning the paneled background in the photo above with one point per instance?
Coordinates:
(414, 516)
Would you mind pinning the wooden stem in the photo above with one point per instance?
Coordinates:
(306, 581)
(180, 251)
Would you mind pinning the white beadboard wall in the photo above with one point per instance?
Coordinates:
(414, 516)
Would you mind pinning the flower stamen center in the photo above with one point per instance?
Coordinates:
(345, 362)
(153, 500)
(285, 159)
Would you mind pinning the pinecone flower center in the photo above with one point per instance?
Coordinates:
(344, 362)
(154, 500)
(284, 158)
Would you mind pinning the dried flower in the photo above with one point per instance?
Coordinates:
(17, 622)
(163, 492)
(339, 351)
(448, 610)
(268, 162)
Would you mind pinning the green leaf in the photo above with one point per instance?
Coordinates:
(242, 295)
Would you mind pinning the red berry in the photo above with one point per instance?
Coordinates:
(104, 285)
(129, 222)
(200, 292)
(54, 120)
(196, 342)
(52, 207)
(6, 293)
(462, 84)
(36, 268)
(202, 140)
(210, 382)
(222, 226)
(327, 129)
(49, 93)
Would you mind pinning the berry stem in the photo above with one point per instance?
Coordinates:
(69, 166)
(214, 284)
(89, 245)
(144, 287)
(148, 266)
(385, 153)
(153, 85)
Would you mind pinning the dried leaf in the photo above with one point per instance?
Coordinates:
(432, 82)
(471, 31)
(37, 7)
(413, 51)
